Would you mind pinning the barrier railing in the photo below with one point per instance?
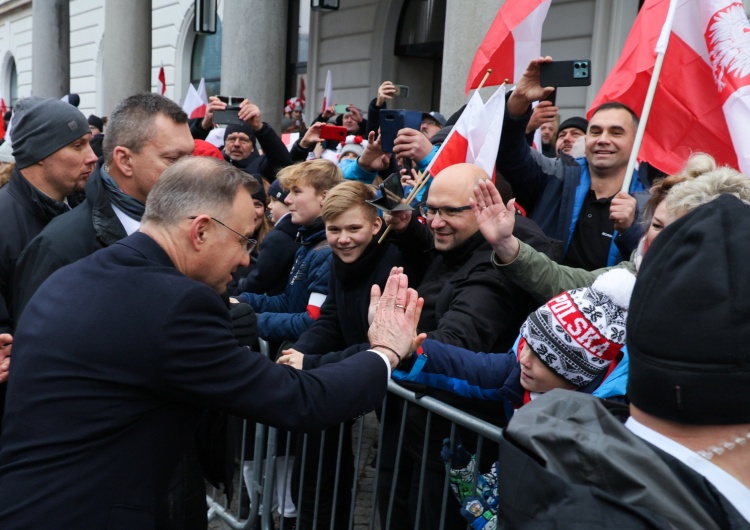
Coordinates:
(363, 510)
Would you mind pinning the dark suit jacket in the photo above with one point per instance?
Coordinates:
(114, 360)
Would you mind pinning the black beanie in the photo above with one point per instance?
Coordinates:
(689, 324)
(260, 193)
(245, 128)
(576, 122)
(96, 121)
(42, 126)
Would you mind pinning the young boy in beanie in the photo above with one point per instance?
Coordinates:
(572, 342)
(569, 342)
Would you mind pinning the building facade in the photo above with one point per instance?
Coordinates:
(105, 50)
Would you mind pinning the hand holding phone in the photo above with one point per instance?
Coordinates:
(402, 91)
(333, 132)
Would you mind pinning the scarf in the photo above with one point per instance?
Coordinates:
(132, 207)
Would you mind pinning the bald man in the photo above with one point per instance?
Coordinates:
(467, 302)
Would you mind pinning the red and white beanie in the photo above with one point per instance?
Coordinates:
(580, 332)
(353, 144)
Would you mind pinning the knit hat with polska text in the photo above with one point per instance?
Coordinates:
(580, 332)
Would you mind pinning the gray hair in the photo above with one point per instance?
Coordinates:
(131, 123)
(194, 186)
(687, 196)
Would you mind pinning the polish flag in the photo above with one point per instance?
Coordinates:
(194, 106)
(162, 80)
(702, 100)
(475, 138)
(3, 110)
(513, 40)
(328, 92)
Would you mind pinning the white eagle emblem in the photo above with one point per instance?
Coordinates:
(729, 34)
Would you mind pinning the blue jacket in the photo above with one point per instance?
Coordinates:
(492, 376)
(553, 191)
(285, 316)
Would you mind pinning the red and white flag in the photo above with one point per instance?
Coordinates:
(475, 138)
(328, 92)
(194, 106)
(702, 100)
(513, 40)
(162, 80)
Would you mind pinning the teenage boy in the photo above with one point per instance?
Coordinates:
(352, 228)
(285, 316)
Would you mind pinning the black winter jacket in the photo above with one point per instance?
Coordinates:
(24, 212)
(342, 325)
(87, 228)
(275, 259)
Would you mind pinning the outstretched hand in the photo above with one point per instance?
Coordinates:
(394, 327)
(496, 220)
(375, 295)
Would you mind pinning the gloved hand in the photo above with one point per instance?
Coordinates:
(456, 457)
(244, 323)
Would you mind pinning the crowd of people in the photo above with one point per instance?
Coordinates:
(142, 259)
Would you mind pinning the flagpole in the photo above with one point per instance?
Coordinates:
(661, 50)
(485, 78)
(422, 177)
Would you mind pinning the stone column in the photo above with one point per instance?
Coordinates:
(126, 55)
(253, 54)
(466, 24)
(50, 48)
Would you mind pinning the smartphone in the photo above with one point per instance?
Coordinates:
(565, 73)
(227, 117)
(392, 121)
(402, 91)
(333, 132)
(233, 102)
(340, 109)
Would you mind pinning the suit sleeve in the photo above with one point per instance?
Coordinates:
(203, 362)
(460, 371)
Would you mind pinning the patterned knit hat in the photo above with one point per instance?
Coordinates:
(580, 332)
(353, 144)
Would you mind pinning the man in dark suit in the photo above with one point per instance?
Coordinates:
(117, 357)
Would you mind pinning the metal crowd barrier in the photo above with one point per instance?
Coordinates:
(364, 506)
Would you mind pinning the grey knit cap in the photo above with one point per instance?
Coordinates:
(42, 126)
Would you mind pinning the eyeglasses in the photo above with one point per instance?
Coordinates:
(242, 139)
(248, 243)
(446, 212)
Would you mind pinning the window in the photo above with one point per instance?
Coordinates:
(206, 61)
(421, 28)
